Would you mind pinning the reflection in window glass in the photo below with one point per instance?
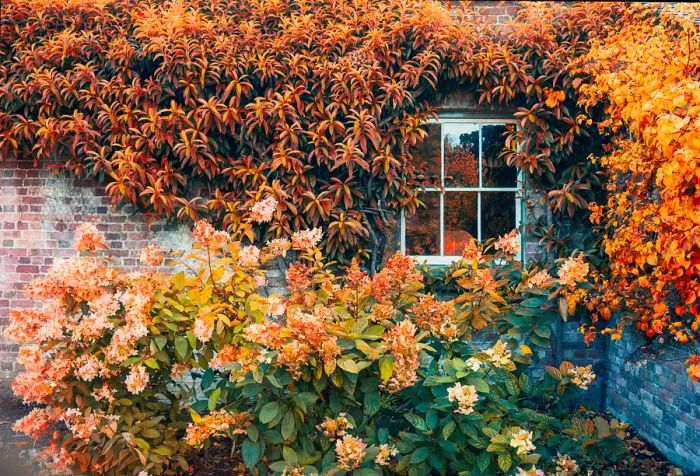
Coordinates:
(460, 220)
(423, 228)
(497, 214)
(494, 169)
(461, 154)
(426, 154)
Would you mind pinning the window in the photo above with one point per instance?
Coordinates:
(481, 194)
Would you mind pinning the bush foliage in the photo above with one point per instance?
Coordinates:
(188, 109)
(368, 374)
(647, 75)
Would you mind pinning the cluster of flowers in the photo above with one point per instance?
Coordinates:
(582, 377)
(499, 355)
(218, 423)
(350, 451)
(521, 440)
(465, 397)
(436, 317)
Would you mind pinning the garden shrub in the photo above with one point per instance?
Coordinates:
(646, 75)
(348, 373)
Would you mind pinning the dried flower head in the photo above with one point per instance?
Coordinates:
(89, 238)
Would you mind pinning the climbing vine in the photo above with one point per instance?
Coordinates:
(647, 75)
(192, 109)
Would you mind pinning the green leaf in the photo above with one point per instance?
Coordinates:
(348, 365)
(151, 363)
(504, 461)
(386, 367)
(372, 403)
(420, 454)
(416, 421)
(448, 429)
(213, 399)
(483, 461)
(251, 452)
(290, 456)
(287, 425)
(269, 412)
(151, 433)
(181, 347)
(160, 341)
(207, 379)
(479, 384)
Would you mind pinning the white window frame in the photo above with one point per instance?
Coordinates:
(518, 190)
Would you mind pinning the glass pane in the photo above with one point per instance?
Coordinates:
(423, 228)
(494, 169)
(426, 154)
(460, 220)
(461, 152)
(497, 213)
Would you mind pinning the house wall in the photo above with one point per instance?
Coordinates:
(39, 211)
(657, 398)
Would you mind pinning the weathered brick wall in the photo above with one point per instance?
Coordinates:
(38, 215)
(657, 398)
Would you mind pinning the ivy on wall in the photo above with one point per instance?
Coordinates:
(199, 108)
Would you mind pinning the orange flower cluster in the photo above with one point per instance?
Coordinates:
(436, 317)
(303, 334)
(646, 75)
(391, 280)
(402, 344)
(217, 424)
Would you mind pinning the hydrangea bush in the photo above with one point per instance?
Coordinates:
(134, 371)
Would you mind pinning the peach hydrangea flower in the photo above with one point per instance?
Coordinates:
(471, 252)
(151, 256)
(276, 305)
(335, 427)
(582, 377)
(34, 424)
(206, 235)
(566, 465)
(203, 326)
(248, 256)
(401, 341)
(464, 396)
(306, 239)
(385, 453)
(574, 270)
(217, 423)
(89, 238)
(499, 354)
(509, 244)
(522, 441)
(278, 246)
(530, 472)
(137, 380)
(542, 280)
(262, 211)
(349, 451)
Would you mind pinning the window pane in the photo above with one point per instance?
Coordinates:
(494, 169)
(460, 220)
(461, 152)
(426, 155)
(423, 228)
(497, 213)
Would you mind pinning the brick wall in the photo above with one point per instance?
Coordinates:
(657, 398)
(38, 214)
